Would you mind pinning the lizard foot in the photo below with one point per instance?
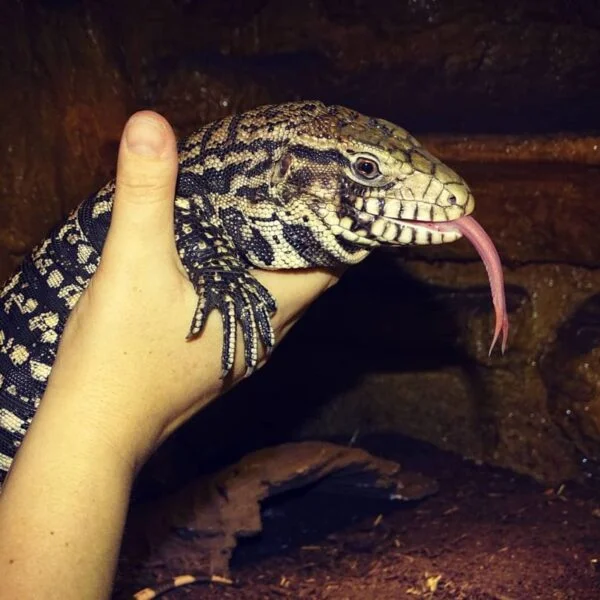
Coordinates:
(242, 300)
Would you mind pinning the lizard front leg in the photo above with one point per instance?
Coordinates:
(222, 282)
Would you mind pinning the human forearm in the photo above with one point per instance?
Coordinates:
(68, 490)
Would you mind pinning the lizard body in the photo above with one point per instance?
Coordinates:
(285, 186)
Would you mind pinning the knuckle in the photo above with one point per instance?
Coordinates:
(137, 188)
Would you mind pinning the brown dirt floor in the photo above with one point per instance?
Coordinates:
(488, 534)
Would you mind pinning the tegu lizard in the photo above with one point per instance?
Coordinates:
(286, 186)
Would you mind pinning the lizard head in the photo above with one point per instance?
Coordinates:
(370, 182)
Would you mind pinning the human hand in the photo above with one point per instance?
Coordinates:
(123, 359)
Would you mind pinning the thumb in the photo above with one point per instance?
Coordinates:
(142, 216)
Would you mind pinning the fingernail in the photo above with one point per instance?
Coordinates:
(145, 135)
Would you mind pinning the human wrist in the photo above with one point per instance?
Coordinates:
(88, 426)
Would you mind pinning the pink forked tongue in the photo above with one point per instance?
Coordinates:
(475, 233)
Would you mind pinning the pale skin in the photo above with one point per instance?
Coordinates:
(125, 378)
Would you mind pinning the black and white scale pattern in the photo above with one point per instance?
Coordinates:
(280, 187)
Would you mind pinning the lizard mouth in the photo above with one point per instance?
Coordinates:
(366, 229)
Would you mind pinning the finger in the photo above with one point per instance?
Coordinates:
(142, 218)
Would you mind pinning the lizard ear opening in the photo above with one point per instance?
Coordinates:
(281, 169)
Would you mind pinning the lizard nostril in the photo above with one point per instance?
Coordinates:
(452, 199)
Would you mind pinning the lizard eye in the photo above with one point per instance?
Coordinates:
(366, 168)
